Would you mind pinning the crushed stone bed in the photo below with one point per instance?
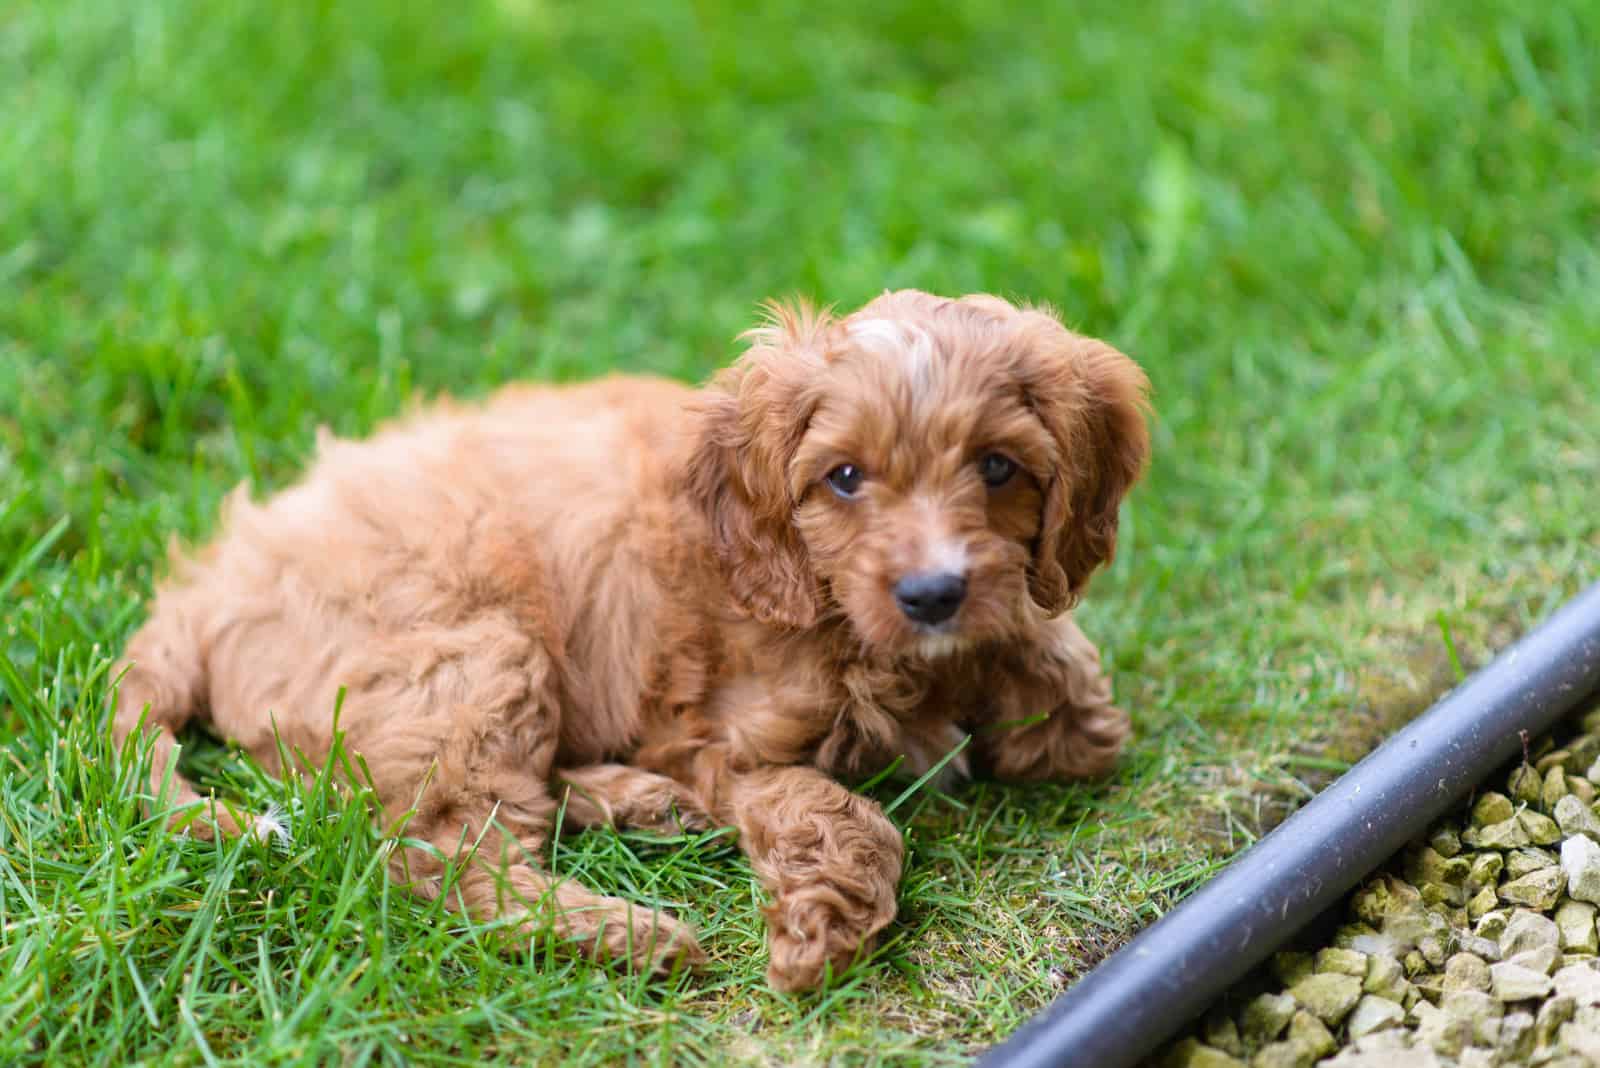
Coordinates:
(1475, 947)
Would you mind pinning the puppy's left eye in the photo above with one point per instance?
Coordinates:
(995, 470)
(845, 480)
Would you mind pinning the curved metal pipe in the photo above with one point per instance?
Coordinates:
(1172, 971)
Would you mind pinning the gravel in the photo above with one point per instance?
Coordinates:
(1476, 947)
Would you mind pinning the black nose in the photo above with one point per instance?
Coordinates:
(930, 597)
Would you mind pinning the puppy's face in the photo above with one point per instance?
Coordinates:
(938, 472)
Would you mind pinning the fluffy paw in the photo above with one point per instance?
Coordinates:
(817, 933)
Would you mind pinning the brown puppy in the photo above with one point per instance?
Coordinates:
(858, 543)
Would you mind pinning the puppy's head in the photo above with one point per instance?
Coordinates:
(939, 472)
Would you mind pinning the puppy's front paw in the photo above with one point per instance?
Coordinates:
(818, 932)
(1073, 743)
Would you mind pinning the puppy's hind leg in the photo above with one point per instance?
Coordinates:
(478, 778)
(163, 685)
(497, 824)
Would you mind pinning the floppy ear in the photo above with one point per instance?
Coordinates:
(752, 418)
(1093, 400)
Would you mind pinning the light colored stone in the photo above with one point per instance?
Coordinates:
(1445, 842)
(1583, 1041)
(1580, 982)
(1486, 868)
(1310, 1034)
(1538, 890)
(1575, 817)
(1580, 860)
(1581, 788)
(1467, 942)
(1386, 978)
(1491, 924)
(1282, 1055)
(1389, 1041)
(1528, 859)
(1361, 937)
(1482, 903)
(1575, 920)
(1513, 982)
(1541, 829)
(1329, 995)
(1507, 834)
(1516, 1037)
(1291, 966)
(1265, 1017)
(1342, 961)
(1524, 930)
(1465, 971)
(1440, 1031)
(1373, 1014)
(1471, 1005)
(1542, 959)
(1492, 808)
(1190, 1053)
(1525, 784)
(1221, 1032)
(1555, 787)
(1552, 1014)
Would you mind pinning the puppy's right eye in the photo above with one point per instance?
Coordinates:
(845, 480)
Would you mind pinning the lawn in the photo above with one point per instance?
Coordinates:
(1356, 246)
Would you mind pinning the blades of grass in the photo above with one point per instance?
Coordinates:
(34, 554)
(926, 776)
(1450, 647)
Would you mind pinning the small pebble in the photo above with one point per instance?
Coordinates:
(1539, 890)
(1575, 817)
(1525, 784)
(1265, 1017)
(1343, 961)
(1222, 1033)
(1580, 860)
(1464, 971)
(1373, 1013)
(1580, 982)
(1191, 1054)
(1507, 834)
(1329, 995)
(1310, 1034)
(1575, 920)
(1528, 859)
(1290, 966)
(1524, 930)
(1385, 977)
(1542, 960)
(1552, 1014)
(1513, 982)
(1541, 829)
(1555, 786)
(1492, 808)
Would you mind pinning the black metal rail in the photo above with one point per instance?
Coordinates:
(1140, 996)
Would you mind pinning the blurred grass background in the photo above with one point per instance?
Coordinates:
(1357, 247)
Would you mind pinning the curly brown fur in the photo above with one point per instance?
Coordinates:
(661, 608)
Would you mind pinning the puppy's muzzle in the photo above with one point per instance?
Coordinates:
(930, 597)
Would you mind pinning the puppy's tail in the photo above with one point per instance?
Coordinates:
(162, 689)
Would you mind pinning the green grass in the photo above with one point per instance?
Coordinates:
(1356, 246)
